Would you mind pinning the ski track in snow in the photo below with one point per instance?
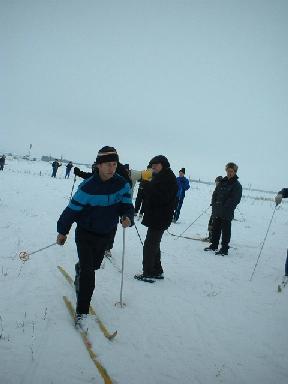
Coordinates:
(205, 323)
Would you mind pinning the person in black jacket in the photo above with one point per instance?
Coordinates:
(2, 162)
(210, 223)
(139, 202)
(69, 166)
(278, 199)
(160, 197)
(55, 166)
(225, 198)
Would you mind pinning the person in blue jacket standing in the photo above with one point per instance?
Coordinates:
(69, 166)
(183, 186)
(96, 207)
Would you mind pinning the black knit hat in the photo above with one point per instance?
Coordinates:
(160, 159)
(182, 170)
(107, 154)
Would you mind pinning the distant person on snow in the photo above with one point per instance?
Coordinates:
(210, 223)
(278, 199)
(69, 166)
(225, 198)
(55, 166)
(159, 199)
(2, 162)
(183, 186)
(96, 208)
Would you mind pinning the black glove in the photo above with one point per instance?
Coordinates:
(77, 171)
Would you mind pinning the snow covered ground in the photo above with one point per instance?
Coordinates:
(205, 323)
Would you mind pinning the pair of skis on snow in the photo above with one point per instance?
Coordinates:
(84, 334)
(204, 239)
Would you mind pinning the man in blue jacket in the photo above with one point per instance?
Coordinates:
(183, 186)
(96, 207)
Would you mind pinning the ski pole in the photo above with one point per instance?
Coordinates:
(122, 272)
(138, 234)
(255, 266)
(24, 255)
(72, 187)
(205, 210)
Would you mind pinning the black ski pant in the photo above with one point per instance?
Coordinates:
(210, 228)
(111, 239)
(179, 204)
(151, 252)
(221, 226)
(90, 248)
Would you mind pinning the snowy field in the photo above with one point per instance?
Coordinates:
(205, 323)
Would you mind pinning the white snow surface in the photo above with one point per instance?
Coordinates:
(204, 323)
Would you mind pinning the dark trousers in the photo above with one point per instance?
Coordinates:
(178, 209)
(110, 242)
(151, 252)
(67, 174)
(54, 171)
(1, 167)
(221, 226)
(90, 248)
(210, 228)
(139, 201)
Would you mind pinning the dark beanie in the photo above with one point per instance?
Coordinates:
(182, 170)
(107, 154)
(160, 159)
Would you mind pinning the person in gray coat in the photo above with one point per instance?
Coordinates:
(225, 198)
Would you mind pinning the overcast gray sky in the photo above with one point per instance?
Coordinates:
(202, 82)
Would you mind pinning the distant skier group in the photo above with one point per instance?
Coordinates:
(56, 164)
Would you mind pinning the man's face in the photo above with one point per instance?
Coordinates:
(156, 168)
(181, 174)
(107, 170)
(230, 173)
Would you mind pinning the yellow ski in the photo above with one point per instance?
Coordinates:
(88, 344)
(106, 333)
